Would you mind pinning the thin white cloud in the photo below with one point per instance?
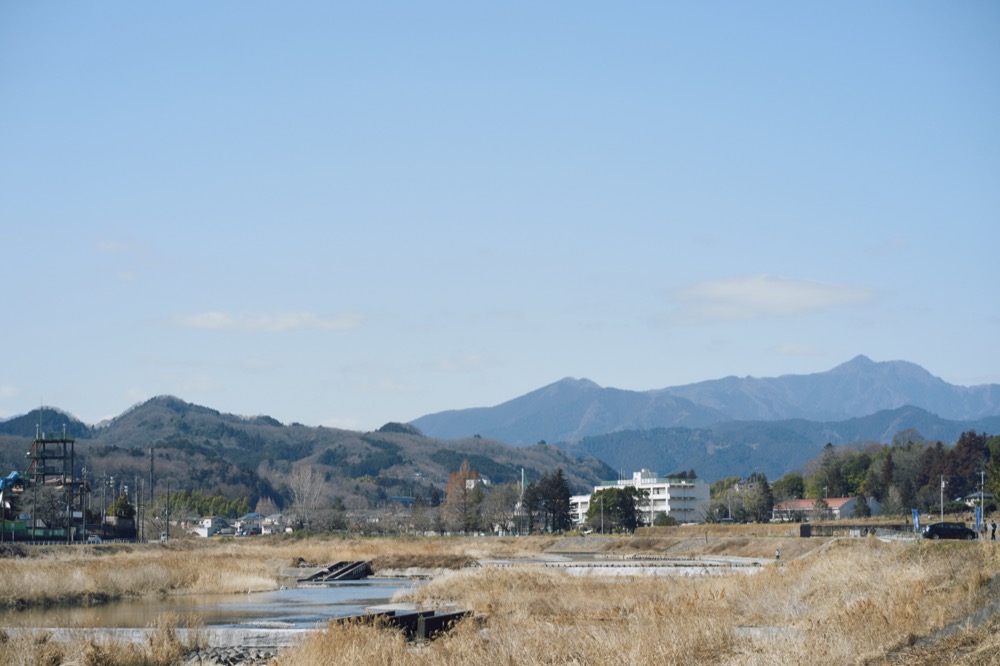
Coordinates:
(759, 296)
(7, 391)
(892, 246)
(268, 323)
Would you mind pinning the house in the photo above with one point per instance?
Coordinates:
(249, 524)
(684, 499)
(210, 526)
(272, 524)
(974, 499)
(806, 510)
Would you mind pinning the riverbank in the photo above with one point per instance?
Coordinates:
(87, 575)
(826, 601)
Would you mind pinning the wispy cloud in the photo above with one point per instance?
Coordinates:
(892, 246)
(7, 391)
(758, 296)
(279, 322)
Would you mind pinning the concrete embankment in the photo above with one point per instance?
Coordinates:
(210, 645)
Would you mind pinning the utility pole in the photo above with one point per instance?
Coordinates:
(150, 477)
(942, 497)
(167, 527)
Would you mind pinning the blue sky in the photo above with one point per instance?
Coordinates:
(349, 214)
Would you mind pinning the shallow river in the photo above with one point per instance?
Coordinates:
(300, 607)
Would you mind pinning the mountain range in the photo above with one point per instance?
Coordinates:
(725, 427)
(573, 409)
(199, 449)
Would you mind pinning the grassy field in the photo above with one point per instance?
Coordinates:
(828, 601)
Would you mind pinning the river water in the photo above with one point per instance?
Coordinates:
(293, 608)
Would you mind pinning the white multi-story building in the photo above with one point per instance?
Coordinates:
(686, 500)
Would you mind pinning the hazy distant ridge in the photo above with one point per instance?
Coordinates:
(572, 409)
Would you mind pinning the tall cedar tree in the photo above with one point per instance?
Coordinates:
(464, 497)
(546, 501)
(554, 495)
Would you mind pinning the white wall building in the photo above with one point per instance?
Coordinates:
(686, 500)
(210, 526)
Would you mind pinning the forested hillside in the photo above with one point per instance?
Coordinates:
(771, 447)
(199, 450)
(910, 473)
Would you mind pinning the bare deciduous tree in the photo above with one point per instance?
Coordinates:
(308, 490)
(499, 510)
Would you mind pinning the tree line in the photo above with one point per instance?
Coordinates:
(909, 473)
(471, 505)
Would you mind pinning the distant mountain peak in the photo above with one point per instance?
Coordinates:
(582, 382)
(572, 408)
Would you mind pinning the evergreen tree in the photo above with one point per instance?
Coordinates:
(790, 486)
(761, 500)
(122, 508)
(530, 502)
(620, 508)
(555, 496)
(861, 508)
(888, 471)
(964, 462)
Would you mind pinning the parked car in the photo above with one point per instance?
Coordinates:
(948, 531)
(93, 538)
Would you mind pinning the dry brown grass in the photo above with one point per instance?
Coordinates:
(840, 602)
(70, 576)
(80, 576)
(855, 601)
(161, 648)
(722, 530)
(979, 646)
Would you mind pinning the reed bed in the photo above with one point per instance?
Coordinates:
(854, 601)
(88, 575)
(829, 601)
(163, 647)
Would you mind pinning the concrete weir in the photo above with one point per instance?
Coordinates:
(251, 646)
(353, 570)
(216, 637)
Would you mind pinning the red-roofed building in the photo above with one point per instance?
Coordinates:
(806, 510)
